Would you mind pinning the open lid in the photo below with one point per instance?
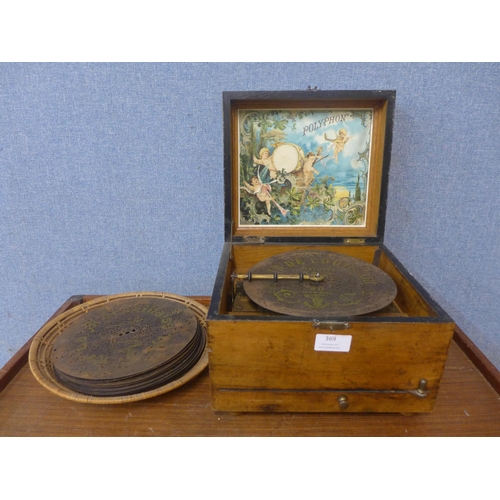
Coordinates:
(307, 165)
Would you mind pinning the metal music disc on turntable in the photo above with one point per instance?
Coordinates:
(348, 286)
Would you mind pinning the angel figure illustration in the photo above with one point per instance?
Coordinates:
(269, 171)
(306, 175)
(338, 143)
(319, 150)
(263, 193)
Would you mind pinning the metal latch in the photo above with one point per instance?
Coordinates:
(331, 325)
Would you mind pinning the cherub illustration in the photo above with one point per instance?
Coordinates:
(263, 193)
(338, 143)
(319, 150)
(265, 160)
(307, 172)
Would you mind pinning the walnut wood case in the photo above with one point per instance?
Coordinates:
(263, 361)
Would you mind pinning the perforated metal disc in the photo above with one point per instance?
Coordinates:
(145, 380)
(123, 339)
(127, 346)
(351, 286)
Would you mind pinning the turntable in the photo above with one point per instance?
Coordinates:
(310, 310)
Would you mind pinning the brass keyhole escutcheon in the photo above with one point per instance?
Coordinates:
(343, 402)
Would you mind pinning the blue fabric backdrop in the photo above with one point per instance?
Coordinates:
(111, 180)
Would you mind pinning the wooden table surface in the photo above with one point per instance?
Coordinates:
(467, 405)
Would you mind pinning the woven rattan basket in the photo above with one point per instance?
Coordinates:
(41, 349)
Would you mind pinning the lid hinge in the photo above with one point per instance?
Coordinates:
(254, 240)
(354, 241)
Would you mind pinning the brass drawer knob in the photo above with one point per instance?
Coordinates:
(343, 402)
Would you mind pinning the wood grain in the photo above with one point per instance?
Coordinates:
(466, 406)
(249, 358)
(481, 362)
(12, 367)
(408, 299)
(258, 352)
(246, 256)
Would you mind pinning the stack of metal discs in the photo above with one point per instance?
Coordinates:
(127, 347)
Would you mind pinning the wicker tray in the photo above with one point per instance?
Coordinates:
(41, 348)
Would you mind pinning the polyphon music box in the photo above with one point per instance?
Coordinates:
(310, 311)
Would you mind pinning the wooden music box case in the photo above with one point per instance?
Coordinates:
(310, 311)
